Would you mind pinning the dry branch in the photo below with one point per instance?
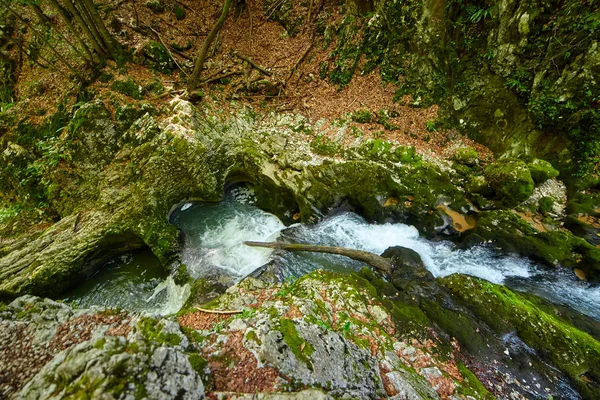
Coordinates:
(225, 312)
(379, 263)
(253, 64)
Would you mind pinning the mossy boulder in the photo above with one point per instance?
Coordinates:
(466, 156)
(541, 171)
(158, 57)
(575, 352)
(511, 180)
(511, 233)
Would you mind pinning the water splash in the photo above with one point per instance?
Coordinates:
(214, 245)
(215, 234)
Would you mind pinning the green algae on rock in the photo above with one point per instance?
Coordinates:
(511, 180)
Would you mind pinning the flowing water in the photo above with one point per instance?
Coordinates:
(214, 245)
(133, 282)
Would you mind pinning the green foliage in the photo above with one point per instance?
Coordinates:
(347, 54)
(179, 12)
(430, 126)
(361, 116)
(479, 14)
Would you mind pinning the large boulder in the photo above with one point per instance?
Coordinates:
(511, 180)
(407, 265)
(541, 171)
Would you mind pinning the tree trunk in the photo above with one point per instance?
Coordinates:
(86, 29)
(99, 24)
(381, 264)
(195, 78)
(70, 27)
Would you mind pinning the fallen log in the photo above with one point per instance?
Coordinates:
(379, 263)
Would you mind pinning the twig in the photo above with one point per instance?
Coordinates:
(216, 78)
(223, 312)
(253, 64)
(167, 48)
(301, 59)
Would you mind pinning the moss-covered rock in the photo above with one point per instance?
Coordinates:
(541, 170)
(573, 351)
(466, 156)
(510, 232)
(157, 55)
(511, 180)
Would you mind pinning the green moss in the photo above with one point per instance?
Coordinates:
(299, 347)
(511, 180)
(179, 12)
(575, 352)
(159, 57)
(128, 87)
(198, 363)
(466, 156)
(153, 330)
(584, 203)
(376, 149)
(99, 344)
(253, 337)
(541, 170)
(156, 6)
(545, 205)
(321, 144)
(155, 86)
(471, 386)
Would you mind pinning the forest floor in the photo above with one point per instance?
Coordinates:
(294, 85)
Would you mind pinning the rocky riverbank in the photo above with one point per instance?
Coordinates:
(351, 336)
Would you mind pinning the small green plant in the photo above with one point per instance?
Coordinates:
(479, 14)
(430, 126)
(179, 12)
(247, 313)
(361, 116)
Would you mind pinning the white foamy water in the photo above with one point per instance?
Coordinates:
(173, 297)
(350, 230)
(214, 245)
(216, 233)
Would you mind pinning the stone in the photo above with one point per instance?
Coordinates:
(407, 265)
(511, 180)
(541, 171)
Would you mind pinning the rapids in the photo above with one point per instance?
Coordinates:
(214, 246)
